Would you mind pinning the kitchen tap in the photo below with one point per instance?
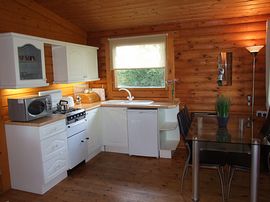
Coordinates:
(129, 97)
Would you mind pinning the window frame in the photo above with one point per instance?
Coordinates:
(151, 93)
(135, 40)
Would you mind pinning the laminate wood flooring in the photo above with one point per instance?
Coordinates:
(119, 177)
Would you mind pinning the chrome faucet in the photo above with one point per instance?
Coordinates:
(129, 97)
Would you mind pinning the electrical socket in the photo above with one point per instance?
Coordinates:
(249, 100)
(261, 113)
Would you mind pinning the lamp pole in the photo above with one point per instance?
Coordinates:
(253, 91)
(254, 51)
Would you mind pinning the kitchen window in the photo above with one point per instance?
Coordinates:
(139, 62)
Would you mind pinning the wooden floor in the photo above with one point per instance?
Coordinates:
(119, 177)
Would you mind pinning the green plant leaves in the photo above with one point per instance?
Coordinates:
(223, 104)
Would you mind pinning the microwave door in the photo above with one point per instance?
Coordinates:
(36, 107)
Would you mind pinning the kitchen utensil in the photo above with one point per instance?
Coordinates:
(70, 100)
(63, 105)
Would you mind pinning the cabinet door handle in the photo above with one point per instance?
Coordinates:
(87, 138)
(82, 141)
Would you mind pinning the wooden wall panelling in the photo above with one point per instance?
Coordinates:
(4, 177)
(196, 48)
(28, 17)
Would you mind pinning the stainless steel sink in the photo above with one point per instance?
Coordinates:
(127, 102)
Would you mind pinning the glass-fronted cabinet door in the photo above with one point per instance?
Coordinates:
(30, 64)
(22, 61)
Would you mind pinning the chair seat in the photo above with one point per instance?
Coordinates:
(211, 158)
(240, 160)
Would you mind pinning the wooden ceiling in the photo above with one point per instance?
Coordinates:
(100, 15)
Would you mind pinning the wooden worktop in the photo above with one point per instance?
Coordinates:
(88, 107)
(56, 117)
(39, 122)
(166, 105)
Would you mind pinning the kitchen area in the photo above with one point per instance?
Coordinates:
(83, 119)
(49, 134)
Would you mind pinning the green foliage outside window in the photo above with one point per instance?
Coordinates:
(140, 78)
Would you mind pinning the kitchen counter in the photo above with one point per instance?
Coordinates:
(88, 107)
(55, 117)
(165, 105)
(39, 122)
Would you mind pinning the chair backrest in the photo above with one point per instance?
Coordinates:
(188, 117)
(265, 130)
(183, 123)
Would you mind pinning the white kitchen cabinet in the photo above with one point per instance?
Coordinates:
(114, 129)
(143, 136)
(22, 61)
(93, 132)
(74, 63)
(169, 131)
(37, 156)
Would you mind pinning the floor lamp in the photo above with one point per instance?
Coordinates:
(254, 51)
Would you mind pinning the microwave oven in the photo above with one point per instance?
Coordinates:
(29, 108)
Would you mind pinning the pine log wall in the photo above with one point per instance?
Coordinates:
(196, 48)
(27, 17)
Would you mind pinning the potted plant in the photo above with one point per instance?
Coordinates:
(223, 108)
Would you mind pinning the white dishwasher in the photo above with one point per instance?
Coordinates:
(143, 133)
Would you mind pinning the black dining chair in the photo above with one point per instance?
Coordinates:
(241, 161)
(208, 159)
(265, 148)
(237, 161)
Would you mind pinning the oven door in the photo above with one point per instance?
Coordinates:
(77, 149)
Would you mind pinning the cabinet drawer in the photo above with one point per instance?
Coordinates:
(51, 145)
(55, 166)
(51, 129)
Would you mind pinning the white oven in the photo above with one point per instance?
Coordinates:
(77, 142)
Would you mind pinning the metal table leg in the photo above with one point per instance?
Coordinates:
(195, 169)
(255, 170)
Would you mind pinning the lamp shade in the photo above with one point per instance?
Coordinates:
(254, 49)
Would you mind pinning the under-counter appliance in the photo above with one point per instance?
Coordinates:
(76, 135)
(29, 108)
(143, 133)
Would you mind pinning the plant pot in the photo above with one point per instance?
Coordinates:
(223, 135)
(222, 122)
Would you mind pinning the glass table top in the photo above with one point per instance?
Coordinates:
(205, 129)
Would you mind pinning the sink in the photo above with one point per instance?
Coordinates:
(127, 102)
(140, 102)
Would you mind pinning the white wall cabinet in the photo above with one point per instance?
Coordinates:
(74, 63)
(22, 61)
(93, 132)
(114, 129)
(37, 156)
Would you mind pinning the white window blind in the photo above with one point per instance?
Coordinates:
(138, 52)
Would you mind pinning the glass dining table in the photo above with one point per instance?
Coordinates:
(205, 134)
